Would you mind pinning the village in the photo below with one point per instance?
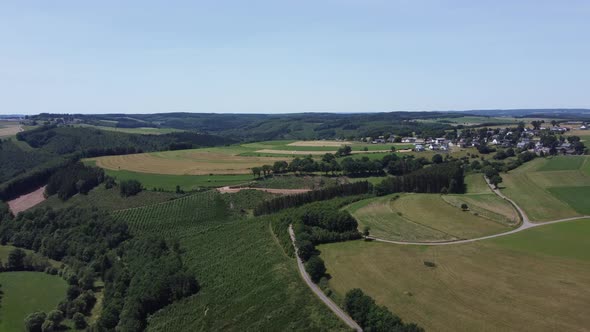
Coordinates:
(539, 139)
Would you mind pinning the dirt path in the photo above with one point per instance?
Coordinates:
(524, 225)
(27, 201)
(318, 292)
(230, 190)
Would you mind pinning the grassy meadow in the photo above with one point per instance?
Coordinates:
(530, 281)
(27, 292)
(550, 188)
(433, 217)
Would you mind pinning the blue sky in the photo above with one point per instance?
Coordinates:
(292, 56)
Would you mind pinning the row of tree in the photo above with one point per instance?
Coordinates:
(438, 178)
(372, 317)
(288, 201)
(363, 166)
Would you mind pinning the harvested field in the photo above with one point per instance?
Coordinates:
(191, 162)
(9, 128)
(27, 201)
(320, 143)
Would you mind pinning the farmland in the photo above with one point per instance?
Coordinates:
(141, 130)
(26, 292)
(238, 262)
(540, 187)
(432, 217)
(9, 128)
(499, 284)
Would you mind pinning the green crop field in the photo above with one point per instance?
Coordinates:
(428, 217)
(530, 281)
(576, 197)
(238, 262)
(536, 185)
(562, 163)
(27, 292)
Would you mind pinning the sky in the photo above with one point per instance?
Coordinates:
(285, 56)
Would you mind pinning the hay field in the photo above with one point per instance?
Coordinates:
(534, 185)
(184, 162)
(9, 128)
(429, 217)
(530, 281)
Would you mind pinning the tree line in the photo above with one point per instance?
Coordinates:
(289, 201)
(141, 275)
(73, 179)
(363, 166)
(438, 178)
(372, 317)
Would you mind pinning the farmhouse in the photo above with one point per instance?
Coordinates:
(409, 140)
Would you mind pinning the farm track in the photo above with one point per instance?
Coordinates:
(230, 190)
(318, 292)
(525, 224)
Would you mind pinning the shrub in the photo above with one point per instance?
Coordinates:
(34, 321)
(130, 188)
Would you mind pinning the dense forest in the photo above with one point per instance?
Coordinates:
(141, 275)
(438, 178)
(262, 127)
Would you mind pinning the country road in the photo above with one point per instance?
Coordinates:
(524, 225)
(333, 306)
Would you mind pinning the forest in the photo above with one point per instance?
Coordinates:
(141, 274)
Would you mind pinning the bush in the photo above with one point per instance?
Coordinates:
(315, 267)
(130, 188)
(464, 207)
(79, 321)
(34, 321)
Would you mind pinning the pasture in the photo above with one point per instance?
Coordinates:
(27, 292)
(237, 262)
(530, 281)
(544, 187)
(430, 217)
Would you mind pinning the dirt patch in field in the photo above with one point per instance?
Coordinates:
(230, 190)
(9, 129)
(320, 143)
(27, 201)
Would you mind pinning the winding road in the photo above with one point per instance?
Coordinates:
(333, 306)
(524, 225)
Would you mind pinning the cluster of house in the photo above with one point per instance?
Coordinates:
(434, 144)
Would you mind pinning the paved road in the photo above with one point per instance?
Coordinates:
(525, 224)
(333, 306)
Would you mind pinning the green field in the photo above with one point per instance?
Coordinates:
(576, 197)
(476, 184)
(27, 292)
(530, 281)
(247, 282)
(540, 187)
(428, 217)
